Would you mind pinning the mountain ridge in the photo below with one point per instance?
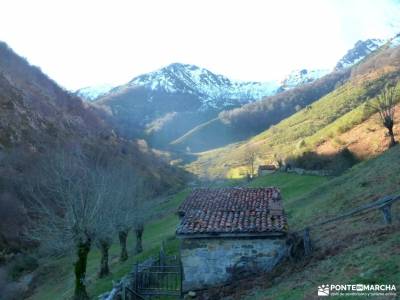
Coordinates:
(194, 79)
(159, 78)
(37, 117)
(302, 137)
(91, 93)
(163, 105)
(167, 105)
(210, 87)
(240, 123)
(360, 50)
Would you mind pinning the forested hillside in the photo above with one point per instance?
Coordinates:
(243, 122)
(250, 119)
(301, 133)
(209, 150)
(37, 118)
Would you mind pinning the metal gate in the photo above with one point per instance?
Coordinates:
(165, 280)
(162, 277)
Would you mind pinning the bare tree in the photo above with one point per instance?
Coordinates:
(139, 228)
(250, 159)
(123, 236)
(142, 211)
(385, 105)
(127, 197)
(106, 228)
(67, 195)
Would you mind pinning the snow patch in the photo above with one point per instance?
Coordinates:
(395, 42)
(360, 50)
(214, 90)
(91, 93)
(302, 76)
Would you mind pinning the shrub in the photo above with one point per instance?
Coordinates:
(301, 144)
(337, 163)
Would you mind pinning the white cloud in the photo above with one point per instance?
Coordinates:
(80, 43)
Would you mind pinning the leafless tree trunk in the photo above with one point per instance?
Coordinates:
(139, 228)
(391, 134)
(68, 193)
(385, 105)
(80, 270)
(129, 196)
(250, 159)
(104, 268)
(123, 235)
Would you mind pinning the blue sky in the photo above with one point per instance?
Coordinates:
(81, 43)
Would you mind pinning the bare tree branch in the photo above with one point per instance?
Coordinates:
(384, 105)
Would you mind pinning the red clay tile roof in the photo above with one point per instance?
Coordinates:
(233, 211)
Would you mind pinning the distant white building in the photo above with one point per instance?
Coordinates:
(266, 169)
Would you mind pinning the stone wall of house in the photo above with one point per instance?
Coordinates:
(213, 261)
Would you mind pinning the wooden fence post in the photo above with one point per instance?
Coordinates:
(181, 275)
(136, 284)
(123, 296)
(162, 256)
(387, 214)
(307, 242)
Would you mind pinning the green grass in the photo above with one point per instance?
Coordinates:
(364, 182)
(357, 250)
(171, 203)
(334, 113)
(291, 185)
(357, 264)
(57, 281)
(211, 134)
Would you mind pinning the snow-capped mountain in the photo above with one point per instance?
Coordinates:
(360, 50)
(395, 42)
(91, 93)
(167, 103)
(214, 90)
(302, 76)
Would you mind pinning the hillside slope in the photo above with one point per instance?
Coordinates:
(360, 249)
(253, 118)
(330, 116)
(36, 117)
(238, 124)
(164, 104)
(367, 139)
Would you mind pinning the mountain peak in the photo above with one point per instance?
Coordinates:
(302, 76)
(395, 41)
(213, 89)
(91, 93)
(178, 65)
(360, 50)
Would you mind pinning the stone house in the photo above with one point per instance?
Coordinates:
(266, 169)
(230, 233)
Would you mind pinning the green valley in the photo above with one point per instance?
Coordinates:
(307, 199)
